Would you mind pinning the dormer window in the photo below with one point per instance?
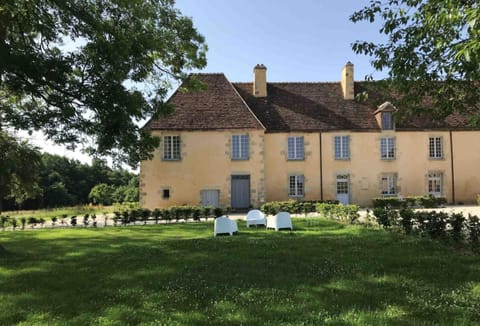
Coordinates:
(384, 116)
(387, 120)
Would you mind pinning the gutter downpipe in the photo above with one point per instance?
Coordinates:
(451, 166)
(321, 166)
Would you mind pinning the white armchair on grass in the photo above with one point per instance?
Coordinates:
(224, 225)
(280, 221)
(255, 217)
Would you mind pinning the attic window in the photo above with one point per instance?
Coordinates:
(387, 120)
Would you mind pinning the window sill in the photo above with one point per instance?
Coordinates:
(171, 160)
(240, 159)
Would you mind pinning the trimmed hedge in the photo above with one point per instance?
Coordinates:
(411, 201)
(293, 206)
(436, 225)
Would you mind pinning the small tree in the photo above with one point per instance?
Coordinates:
(145, 215)
(94, 219)
(156, 214)
(32, 221)
(54, 220)
(3, 221)
(85, 219)
(73, 221)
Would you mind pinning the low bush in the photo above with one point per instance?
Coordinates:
(344, 213)
(293, 206)
(409, 202)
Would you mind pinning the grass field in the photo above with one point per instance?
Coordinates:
(322, 273)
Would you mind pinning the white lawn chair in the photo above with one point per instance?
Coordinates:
(255, 217)
(224, 225)
(280, 221)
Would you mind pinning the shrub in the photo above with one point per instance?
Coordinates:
(14, 223)
(217, 211)
(345, 213)
(473, 229)
(54, 220)
(385, 217)
(145, 215)
(457, 223)
(407, 217)
(293, 206)
(433, 223)
(23, 221)
(73, 220)
(4, 219)
(206, 212)
(156, 215)
(196, 213)
(32, 221)
(411, 201)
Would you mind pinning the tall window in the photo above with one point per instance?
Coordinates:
(171, 148)
(435, 180)
(342, 147)
(240, 146)
(435, 147)
(295, 148)
(388, 184)
(296, 186)
(387, 148)
(387, 120)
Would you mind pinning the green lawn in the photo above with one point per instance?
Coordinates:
(322, 273)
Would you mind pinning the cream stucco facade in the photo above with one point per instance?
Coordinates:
(206, 164)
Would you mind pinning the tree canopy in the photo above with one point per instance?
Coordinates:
(59, 181)
(87, 71)
(19, 167)
(431, 53)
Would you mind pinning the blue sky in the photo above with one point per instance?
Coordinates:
(303, 40)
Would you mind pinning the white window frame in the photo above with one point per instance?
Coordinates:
(295, 148)
(435, 148)
(341, 147)
(389, 186)
(171, 148)
(387, 120)
(296, 186)
(240, 147)
(435, 183)
(387, 148)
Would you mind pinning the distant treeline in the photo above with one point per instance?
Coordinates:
(67, 182)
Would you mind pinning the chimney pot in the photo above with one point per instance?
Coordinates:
(260, 81)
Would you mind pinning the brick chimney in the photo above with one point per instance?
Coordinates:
(347, 81)
(260, 81)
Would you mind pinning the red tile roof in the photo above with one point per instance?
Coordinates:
(218, 107)
(307, 107)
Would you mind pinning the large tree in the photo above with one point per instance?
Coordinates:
(87, 71)
(431, 53)
(19, 169)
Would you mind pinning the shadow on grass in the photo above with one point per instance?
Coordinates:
(323, 272)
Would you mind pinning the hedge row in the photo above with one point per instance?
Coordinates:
(345, 213)
(293, 206)
(120, 217)
(437, 225)
(411, 201)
